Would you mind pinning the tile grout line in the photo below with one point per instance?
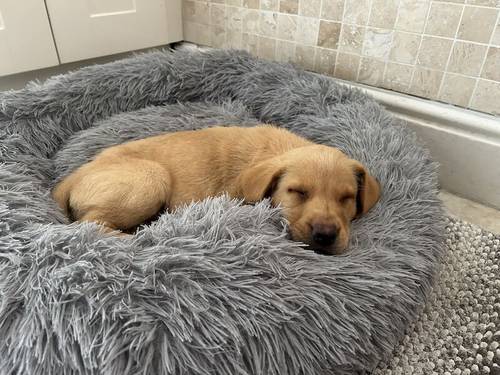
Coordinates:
(483, 63)
(241, 26)
(385, 61)
(380, 60)
(366, 29)
(420, 44)
(224, 18)
(340, 34)
(317, 36)
(354, 24)
(394, 31)
(343, 26)
(445, 70)
(373, 58)
(467, 4)
(382, 28)
(335, 64)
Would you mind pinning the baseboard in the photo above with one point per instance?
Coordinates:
(465, 143)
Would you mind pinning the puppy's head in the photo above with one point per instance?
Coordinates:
(320, 189)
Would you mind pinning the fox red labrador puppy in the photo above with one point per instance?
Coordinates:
(319, 188)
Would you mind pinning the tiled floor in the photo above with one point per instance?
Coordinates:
(475, 213)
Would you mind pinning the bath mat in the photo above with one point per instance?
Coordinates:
(458, 330)
(215, 287)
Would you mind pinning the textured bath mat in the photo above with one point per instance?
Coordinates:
(216, 287)
(458, 331)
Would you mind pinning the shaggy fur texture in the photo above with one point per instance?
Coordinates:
(216, 287)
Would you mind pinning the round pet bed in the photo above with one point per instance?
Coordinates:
(215, 287)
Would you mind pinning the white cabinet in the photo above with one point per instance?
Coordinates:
(89, 28)
(35, 33)
(25, 37)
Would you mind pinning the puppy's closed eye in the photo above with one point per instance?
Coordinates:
(347, 198)
(300, 193)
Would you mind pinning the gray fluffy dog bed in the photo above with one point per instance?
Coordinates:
(215, 287)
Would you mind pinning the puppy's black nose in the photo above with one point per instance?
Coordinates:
(323, 234)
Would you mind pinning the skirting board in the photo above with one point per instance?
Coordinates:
(465, 143)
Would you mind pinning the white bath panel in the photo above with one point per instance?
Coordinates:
(85, 29)
(25, 37)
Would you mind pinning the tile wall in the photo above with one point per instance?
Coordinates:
(442, 50)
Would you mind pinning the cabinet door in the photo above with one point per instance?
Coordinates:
(25, 37)
(89, 28)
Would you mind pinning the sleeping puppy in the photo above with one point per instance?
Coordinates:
(319, 188)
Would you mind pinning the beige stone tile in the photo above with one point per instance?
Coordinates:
(196, 11)
(234, 40)
(250, 21)
(477, 24)
(457, 89)
(268, 24)
(267, 48)
(217, 15)
(351, 38)
(404, 47)
(377, 43)
(218, 1)
(356, 11)
(250, 43)
(371, 72)
(412, 15)
(307, 31)
(486, 97)
(491, 68)
(196, 33)
(287, 26)
(324, 61)
(272, 5)
(188, 10)
(251, 4)
(454, 1)
(426, 83)
(304, 56)
(496, 35)
(443, 19)
(234, 17)
(487, 3)
(383, 13)
(217, 36)
(434, 52)
(309, 8)
(234, 3)
(397, 77)
(346, 66)
(329, 34)
(289, 6)
(285, 51)
(332, 10)
(466, 58)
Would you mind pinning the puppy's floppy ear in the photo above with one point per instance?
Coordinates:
(260, 181)
(368, 190)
